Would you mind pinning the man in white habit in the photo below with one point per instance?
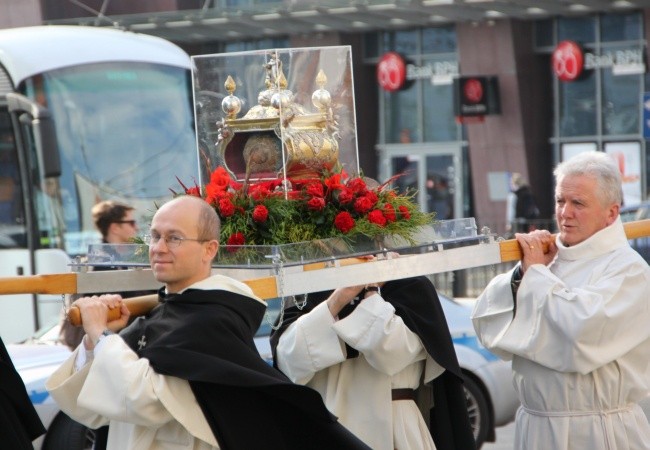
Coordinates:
(573, 317)
(187, 375)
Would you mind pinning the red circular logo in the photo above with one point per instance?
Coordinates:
(391, 72)
(473, 90)
(568, 61)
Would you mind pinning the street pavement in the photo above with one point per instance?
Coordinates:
(505, 439)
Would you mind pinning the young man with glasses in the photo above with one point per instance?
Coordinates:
(188, 375)
(115, 222)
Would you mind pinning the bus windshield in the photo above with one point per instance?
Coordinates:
(125, 131)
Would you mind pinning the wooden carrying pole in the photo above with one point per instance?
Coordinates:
(267, 287)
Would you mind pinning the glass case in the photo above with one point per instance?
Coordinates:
(444, 234)
(275, 114)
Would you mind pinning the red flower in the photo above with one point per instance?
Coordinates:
(226, 208)
(389, 212)
(195, 191)
(404, 211)
(357, 185)
(315, 189)
(260, 214)
(363, 204)
(220, 178)
(236, 239)
(345, 196)
(214, 193)
(316, 204)
(333, 183)
(372, 196)
(344, 222)
(377, 217)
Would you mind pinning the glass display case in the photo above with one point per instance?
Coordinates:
(279, 113)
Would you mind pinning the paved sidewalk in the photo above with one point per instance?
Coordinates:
(505, 439)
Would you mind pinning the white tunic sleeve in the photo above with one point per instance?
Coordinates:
(603, 315)
(119, 386)
(309, 345)
(381, 336)
(316, 341)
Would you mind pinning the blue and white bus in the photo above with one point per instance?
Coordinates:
(86, 114)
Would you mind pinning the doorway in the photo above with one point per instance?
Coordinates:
(433, 171)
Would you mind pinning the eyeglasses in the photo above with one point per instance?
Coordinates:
(172, 240)
(130, 222)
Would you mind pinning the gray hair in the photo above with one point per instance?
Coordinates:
(598, 165)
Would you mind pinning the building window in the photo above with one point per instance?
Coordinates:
(422, 111)
(579, 29)
(621, 27)
(605, 100)
(577, 108)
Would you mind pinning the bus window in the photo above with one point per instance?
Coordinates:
(125, 131)
(12, 216)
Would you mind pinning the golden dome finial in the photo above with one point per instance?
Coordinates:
(230, 85)
(321, 79)
(231, 104)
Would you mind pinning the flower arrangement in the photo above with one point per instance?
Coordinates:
(282, 211)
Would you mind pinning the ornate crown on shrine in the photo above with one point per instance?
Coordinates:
(267, 125)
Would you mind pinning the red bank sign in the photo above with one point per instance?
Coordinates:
(568, 61)
(391, 72)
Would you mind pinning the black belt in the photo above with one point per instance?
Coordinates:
(403, 394)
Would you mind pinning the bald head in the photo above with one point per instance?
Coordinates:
(208, 225)
(184, 242)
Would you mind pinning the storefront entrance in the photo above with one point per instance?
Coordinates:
(433, 170)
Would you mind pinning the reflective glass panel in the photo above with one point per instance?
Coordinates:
(125, 131)
(578, 107)
(620, 27)
(580, 29)
(621, 112)
(438, 40)
(401, 116)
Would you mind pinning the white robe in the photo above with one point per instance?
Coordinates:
(579, 342)
(311, 351)
(145, 410)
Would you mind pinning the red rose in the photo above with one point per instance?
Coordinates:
(377, 217)
(315, 189)
(214, 193)
(220, 178)
(258, 192)
(363, 204)
(344, 222)
(404, 211)
(357, 185)
(345, 196)
(260, 214)
(372, 196)
(236, 239)
(389, 212)
(226, 208)
(333, 183)
(316, 204)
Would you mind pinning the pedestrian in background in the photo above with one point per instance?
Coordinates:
(521, 207)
